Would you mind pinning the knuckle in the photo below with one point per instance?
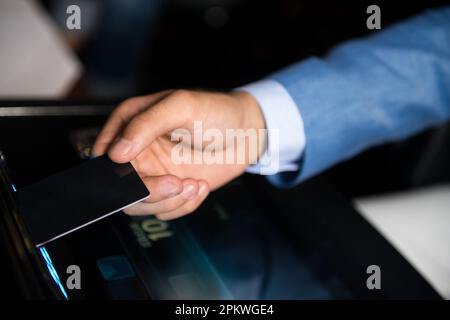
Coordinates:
(183, 94)
(139, 122)
(124, 105)
(117, 112)
(130, 101)
(186, 100)
(127, 104)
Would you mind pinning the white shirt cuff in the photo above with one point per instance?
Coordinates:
(284, 124)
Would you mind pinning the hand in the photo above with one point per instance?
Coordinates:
(141, 130)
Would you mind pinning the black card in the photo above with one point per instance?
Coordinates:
(79, 196)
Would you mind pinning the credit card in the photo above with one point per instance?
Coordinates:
(77, 197)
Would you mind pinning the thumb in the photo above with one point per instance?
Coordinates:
(168, 114)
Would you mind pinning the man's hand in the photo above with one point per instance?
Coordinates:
(140, 131)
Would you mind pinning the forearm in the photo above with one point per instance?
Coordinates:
(370, 91)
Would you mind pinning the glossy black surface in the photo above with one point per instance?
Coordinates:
(248, 241)
(67, 201)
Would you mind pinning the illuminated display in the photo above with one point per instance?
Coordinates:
(52, 271)
(49, 263)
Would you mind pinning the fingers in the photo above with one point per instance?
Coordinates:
(188, 207)
(168, 114)
(193, 194)
(162, 187)
(189, 191)
(120, 117)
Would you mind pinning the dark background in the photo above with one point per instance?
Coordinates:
(180, 48)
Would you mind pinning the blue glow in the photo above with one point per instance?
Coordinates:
(14, 188)
(52, 271)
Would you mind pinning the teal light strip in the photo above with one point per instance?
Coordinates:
(52, 271)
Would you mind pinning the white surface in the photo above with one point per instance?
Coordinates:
(417, 224)
(34, 61)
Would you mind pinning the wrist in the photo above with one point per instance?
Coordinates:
(252, 118)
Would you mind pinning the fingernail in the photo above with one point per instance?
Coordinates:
(122, 147)
(202, 190)
(189, 191)
(169, 189)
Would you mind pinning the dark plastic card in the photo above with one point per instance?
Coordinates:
(77, 197)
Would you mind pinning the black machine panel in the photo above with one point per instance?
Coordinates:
(249, 240)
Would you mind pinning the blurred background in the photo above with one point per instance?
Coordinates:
(139, 46)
